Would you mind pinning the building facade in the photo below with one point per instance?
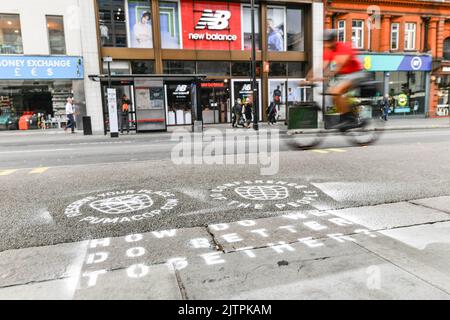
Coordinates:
(404, 44)
(47, 49)
(212, 38)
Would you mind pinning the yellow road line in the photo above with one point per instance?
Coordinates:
(7, 172)
(38, 170)
(337, 150)
(319, 151)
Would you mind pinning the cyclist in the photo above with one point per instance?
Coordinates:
(341, 63)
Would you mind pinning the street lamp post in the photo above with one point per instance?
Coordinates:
(254, 83)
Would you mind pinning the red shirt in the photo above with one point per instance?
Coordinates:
(343, 48)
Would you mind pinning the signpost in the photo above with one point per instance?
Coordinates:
(112, 103)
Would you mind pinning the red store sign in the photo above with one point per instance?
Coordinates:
(211, 25)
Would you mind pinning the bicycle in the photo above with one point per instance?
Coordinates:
(365, 130)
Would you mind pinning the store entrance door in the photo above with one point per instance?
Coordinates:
(215, 102)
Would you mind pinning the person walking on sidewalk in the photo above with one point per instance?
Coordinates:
(272, 113)
(385, 107)
(237, 113)
(124, 112)
(248, 113)
(70, 115)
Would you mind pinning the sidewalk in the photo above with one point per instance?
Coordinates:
(389, 251)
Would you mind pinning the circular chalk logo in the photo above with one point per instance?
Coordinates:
(121, 206)
(264, 194)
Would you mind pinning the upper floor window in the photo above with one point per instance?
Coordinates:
(410, 36)
(56, 39)
(395, 27)
(285, 30)
(341, 30)
(112, 21)
(358, 34)
(10, 34)
(447, 49)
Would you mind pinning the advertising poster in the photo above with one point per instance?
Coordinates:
(209, 25)
(276, 29)
(170, 24)
(140, 24)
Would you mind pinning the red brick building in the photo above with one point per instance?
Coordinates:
(406, 44)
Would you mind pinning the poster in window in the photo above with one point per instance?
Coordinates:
(140, 24)
(170, 24)
(157, 98)
(276, 29)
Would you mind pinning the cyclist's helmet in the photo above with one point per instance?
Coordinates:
(330, 35)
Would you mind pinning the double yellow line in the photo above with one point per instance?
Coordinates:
(8, 172)
(329, 150)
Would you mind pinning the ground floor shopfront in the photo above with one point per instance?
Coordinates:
(405, 78)
(36, 88)
(441, 89)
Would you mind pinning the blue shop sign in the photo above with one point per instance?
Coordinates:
(41, 67)
(392, 62)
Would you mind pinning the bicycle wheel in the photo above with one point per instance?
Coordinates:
(305, 139)
(368, 131)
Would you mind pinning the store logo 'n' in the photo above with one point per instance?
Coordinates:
(214, 20)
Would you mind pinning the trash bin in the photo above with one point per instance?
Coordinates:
(87, 127)
(302, 116)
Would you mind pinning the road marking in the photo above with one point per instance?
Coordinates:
(38, 170)
(37, 150)
(319, 151)
(7, 172)
(337, 150)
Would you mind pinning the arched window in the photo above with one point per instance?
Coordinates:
(447, 49)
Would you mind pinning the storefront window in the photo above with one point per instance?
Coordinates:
(56, 39)
(285, 31)
(10, 34)
(278, 69)
(296, 69)
(117, 67)
(244, 69)
(408, 92)
(140, 25)
(142, 67)
(178, 67)
(113, 27)
(170, 24)
(179, 104)
(294, 25)
(247, 27)
(214, 68)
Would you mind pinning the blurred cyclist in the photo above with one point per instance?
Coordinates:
(341, 63)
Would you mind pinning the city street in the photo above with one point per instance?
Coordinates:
(90, 217)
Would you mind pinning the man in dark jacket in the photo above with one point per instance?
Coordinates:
(237, 113)
(385, 106)
(124, 111)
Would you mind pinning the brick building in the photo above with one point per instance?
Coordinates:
(406, 44)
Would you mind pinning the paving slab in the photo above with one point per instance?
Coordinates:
(332, 271)
(41, 263)
(291, 227)
(62, 289)
(438, 203)
(421, 250)
(138, 282)
(393, 215)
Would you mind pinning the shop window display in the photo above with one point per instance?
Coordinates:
(214, 68)
(285, 29)
(112, 21)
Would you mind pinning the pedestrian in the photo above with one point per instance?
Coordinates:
(124, 113)
(70, 115)
(385, 106)
(272, 113)
(237, 113)
(248, 114)
(276, 96)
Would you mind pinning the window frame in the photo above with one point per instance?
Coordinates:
(341, 29)
(20, 32)
(407, 36)
(397, 32)
(362, 34)
(48, 34)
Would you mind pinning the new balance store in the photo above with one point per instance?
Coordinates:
(34, 89)
(405, 78)
(212, 38)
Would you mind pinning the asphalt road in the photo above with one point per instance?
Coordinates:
(43, 179)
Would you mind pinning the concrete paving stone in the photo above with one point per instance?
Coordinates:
(62, 289)
(41, 263)
(332, 271)
(157, 247)
(438, 203)
(138, 282)
(288, 228)
(393, 215)
(421, 250)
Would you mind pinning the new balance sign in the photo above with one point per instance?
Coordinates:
(214, 20)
